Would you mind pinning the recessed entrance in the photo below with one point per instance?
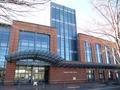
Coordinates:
(28, 74)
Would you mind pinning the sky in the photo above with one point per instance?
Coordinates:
(85, 13)
(87, 17)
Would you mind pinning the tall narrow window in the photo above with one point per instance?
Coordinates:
(98, 53)
(114, 55)
(88, 54)
(107, 52)
(4, 44)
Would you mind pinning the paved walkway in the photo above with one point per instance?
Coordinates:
(89, 86)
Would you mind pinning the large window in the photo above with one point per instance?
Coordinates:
(28, 72)
(4, 43)
(107, 53)
(33, 41)
(98, 53)
(88, 52)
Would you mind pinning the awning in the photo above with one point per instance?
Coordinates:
(55, 60)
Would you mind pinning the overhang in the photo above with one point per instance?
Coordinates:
(55, 60)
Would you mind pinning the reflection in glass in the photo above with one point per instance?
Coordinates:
(88, 52)
(31, 41)
(4, 43)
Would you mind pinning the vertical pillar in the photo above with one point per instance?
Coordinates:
(96, 75)
(10, 73)
(106, 74)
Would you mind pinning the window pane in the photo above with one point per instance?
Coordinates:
(88, 54)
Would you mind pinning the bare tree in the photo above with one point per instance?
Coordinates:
(110, 27)
(8, 7)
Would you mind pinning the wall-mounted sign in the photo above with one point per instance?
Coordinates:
(70, 72)
(74, 78)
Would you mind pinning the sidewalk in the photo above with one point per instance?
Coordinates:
(88, 86)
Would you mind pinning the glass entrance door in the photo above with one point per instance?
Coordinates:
(29, 73)
(38, 73)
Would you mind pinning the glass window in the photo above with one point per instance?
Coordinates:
(58, 27)
(61, 15)
(57, 14)
(65, 16)
(62, 29)
(74, 56)
(88, 54)
(53, 12)
(114, 55)
(58, 45)
(4, 43)
(33, 41)
(90, 75)
(98, 53)
(73, 18)
(67, 54)
(53, 24)
(107, 53)
(69, 17)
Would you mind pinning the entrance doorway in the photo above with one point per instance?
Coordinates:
(28, 74)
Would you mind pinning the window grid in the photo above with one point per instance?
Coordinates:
(4, 44)
(63, 19)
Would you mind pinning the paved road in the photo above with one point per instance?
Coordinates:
(93, 86)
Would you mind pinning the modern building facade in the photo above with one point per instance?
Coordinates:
(54, 54)
(64, 20)
(32, 55)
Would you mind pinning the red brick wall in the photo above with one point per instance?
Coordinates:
(56, 74)
(93, 40)
(67, 75)
(14, 37)
(9, 74)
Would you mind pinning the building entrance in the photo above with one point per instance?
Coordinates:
(28, 74)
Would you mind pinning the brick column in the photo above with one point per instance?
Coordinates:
(96, 75)
(106, 73)
(10, 73)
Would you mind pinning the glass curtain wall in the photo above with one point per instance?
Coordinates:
(4, 44)
(64, 20)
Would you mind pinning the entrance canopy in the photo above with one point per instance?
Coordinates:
(35, 55)
(55, 60)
